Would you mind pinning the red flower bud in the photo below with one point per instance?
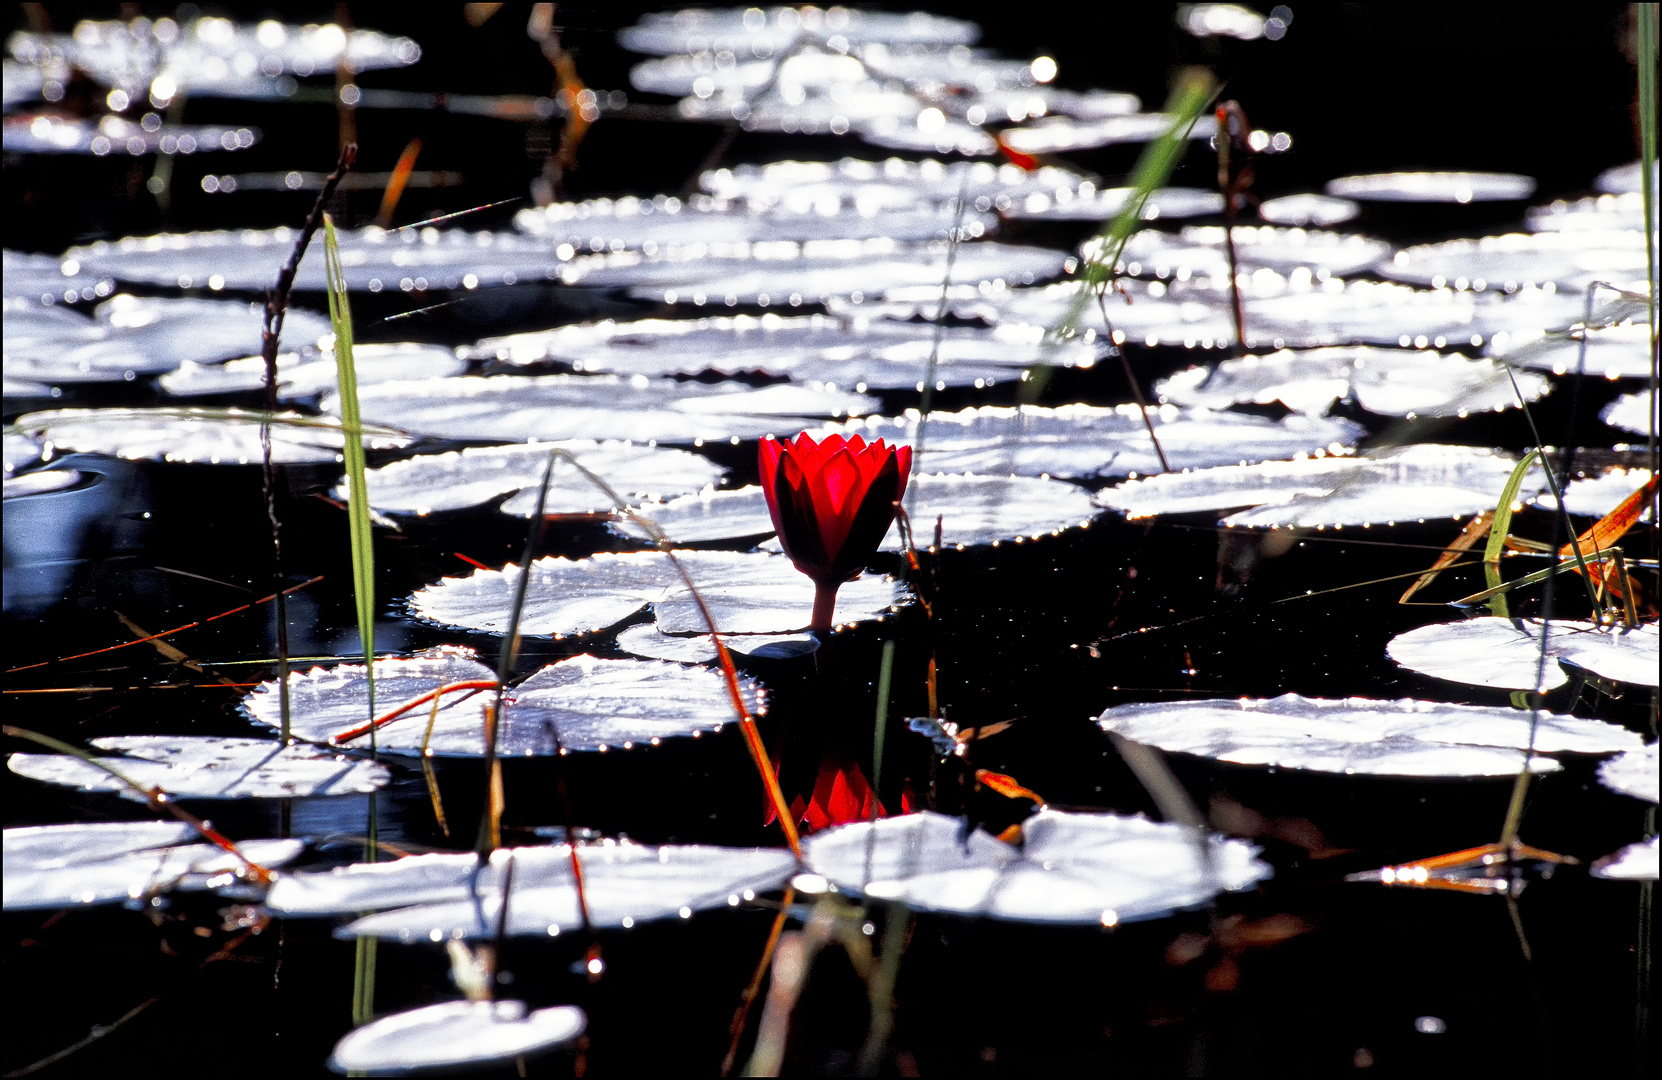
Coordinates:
(832, 502)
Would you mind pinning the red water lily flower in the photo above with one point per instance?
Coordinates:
(832, 502)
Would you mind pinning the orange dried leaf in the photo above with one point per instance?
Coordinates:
(1007, 786)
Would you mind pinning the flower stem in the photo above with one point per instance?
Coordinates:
(825, 605)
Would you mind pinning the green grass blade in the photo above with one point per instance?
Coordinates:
(1497, 535)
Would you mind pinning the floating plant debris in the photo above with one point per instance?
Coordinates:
(1631, 412)
(578, 704)
(859, 353)
(58, 866)
(519, 408)
(1088, 203)
(202, 767)
(373, 259)
(747, 593)
(1501, 653)
(1362, 736)
(1567, 260)
(1633, 773)
(868, 187)
(792, 274)
(454, 1034)
(648, 641)
(1437, 187)
(1613, 352)
(1406, 484)
(302, 376)
(631, 224)
(1635, 862)
(1088, 441)
(1064, 134)
(1201, 250)
(459, 480)
(440, 896)
(1088, 869)
(140, 336)
(197, 436)
(52, 133)
(1308, 210)
(1387, 382)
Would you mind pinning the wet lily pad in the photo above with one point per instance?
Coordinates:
(1087, 440)
(1308, 210)
(793, 274)
(1616, 352)
(55, 133)
(648, 641)
(1362, 736)
(1598, 494)
(58, 866)
(1089, 203)
(462, 479)
(1201, 250)
(1088, 869)
(857, 353)
(301, 376)
(581, 704)
(1599, 212)
(870, 186)
(1499, 653)
(1064, 134)
(1567, 260)
(201, 767)
(42, 482)
(438, 896)
(748, 593)
(648, 225)
(1635, 862)
(35, 282)
(1388, 382)
(454, 1034)
(196, 436)
(1411, 483)
(519, 408)
(1633, 773)
(1631, 412)
(694, 30)
(1439, 187)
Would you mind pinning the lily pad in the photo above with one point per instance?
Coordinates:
(648, 641)
(462, 479)
(37, 282)
(440, 896)
(1598, 212)
(1500, 653)
(831, 187)
(648, 225)
(1635, 862)
(42, 482)
(1631, 412)
(54, 133)
(301, 376)
(59, 866)
(1201, 250)
(201, 767)
(1086, 869)
(1064, 134)
(1598, 494)
(519, 408)
(1436, 187)
(1387, 382)
(857, 353)
(579, 704)
(1567, 260)
(1307, 210)
(1088, 441)
(454, 1034)
(1615, 352)
(196, 436)
(693, 30)
(1633, 773)
(1089, 203)
(747, 593)
(1362, 736)
(1411, 483)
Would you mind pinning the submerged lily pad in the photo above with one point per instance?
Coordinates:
(1090, 869)
(453, 1034)
(517, 408)
(309, 374)
(1440, 187)
(55, 866)
(202, 767)
(440, 896)
(1633, 773)
(576, 705)
(1411, 483)
(855, 353)
(462, 479)
(196, 436)
(1089, 441)
(1635, 862)
(1631, 412)
(1501, 653)
(747, 593)
(1363, 736)
(1387, 382)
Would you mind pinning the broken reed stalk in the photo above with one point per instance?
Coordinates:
(155, 797)
(276, 309)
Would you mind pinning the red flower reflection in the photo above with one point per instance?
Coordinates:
(831, 503)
